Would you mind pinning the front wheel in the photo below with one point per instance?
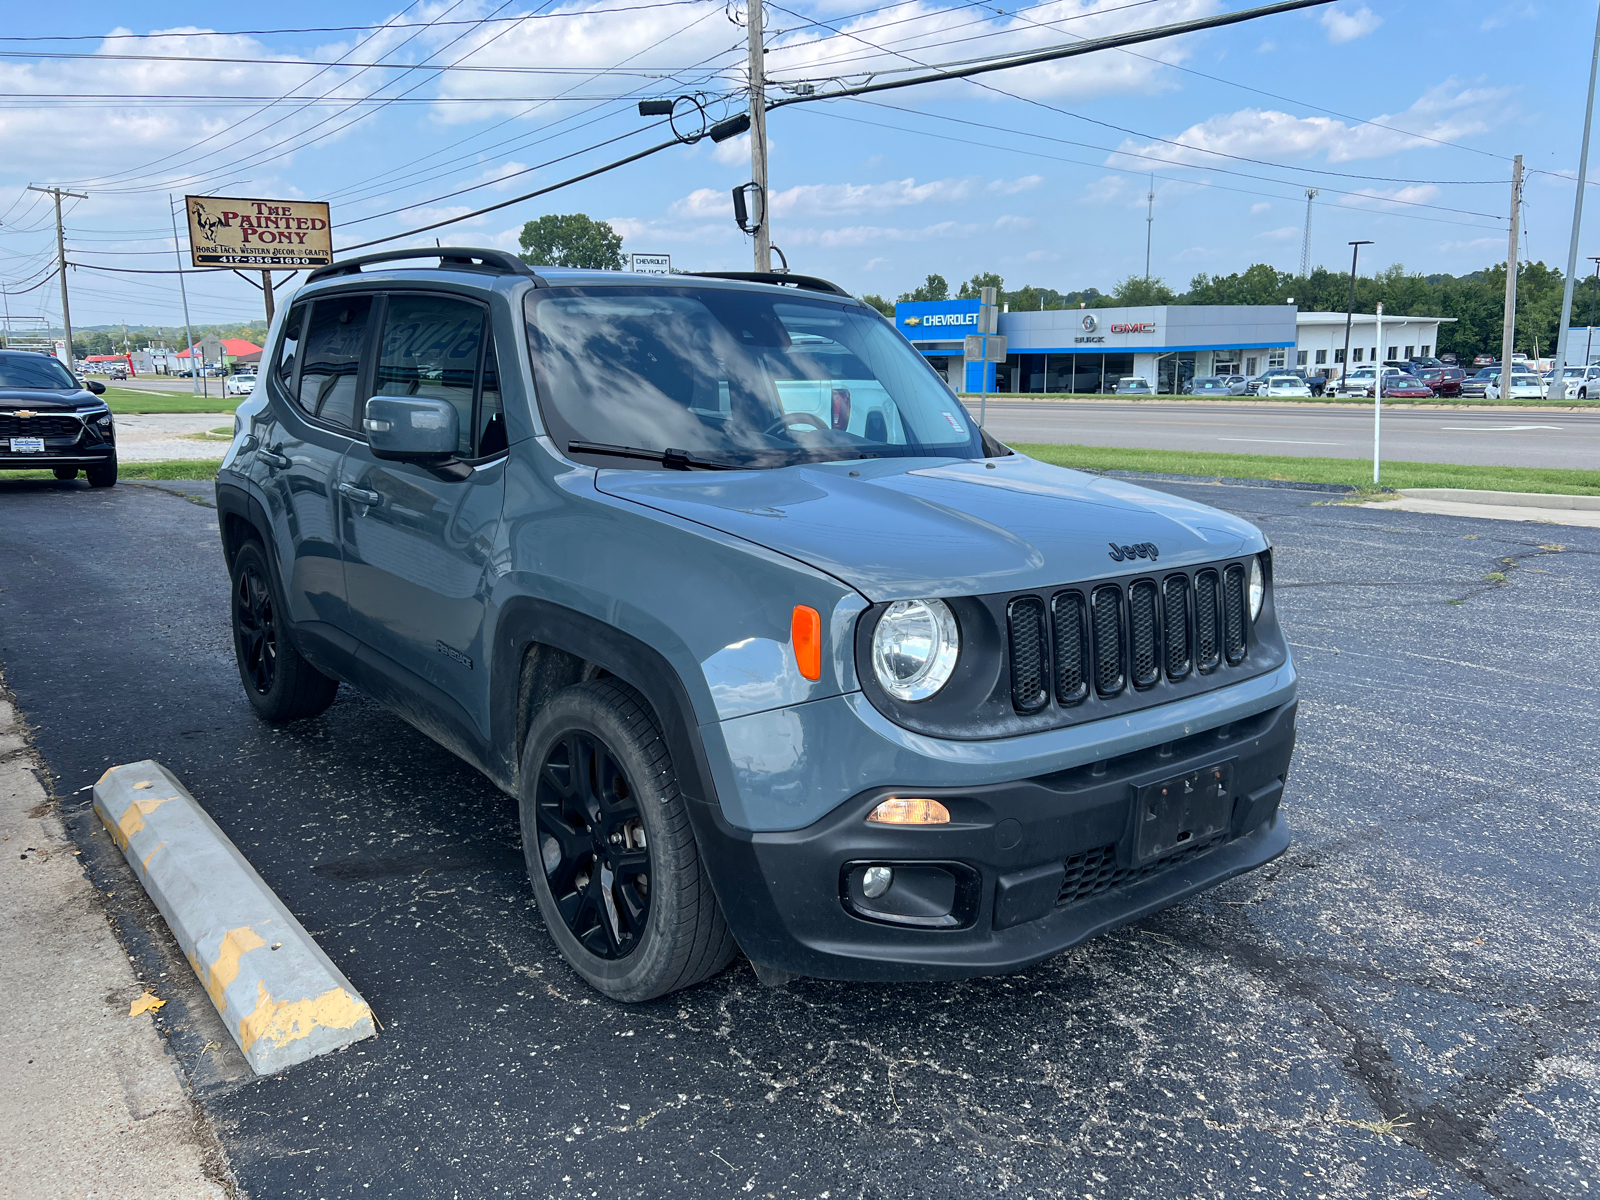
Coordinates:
(102, 474)
(613, 862)
(281, 685)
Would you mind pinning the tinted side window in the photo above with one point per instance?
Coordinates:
(332, 358)
(431, 348)
(491, 414)
(289, 347)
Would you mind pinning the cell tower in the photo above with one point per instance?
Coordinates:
(1305, 242)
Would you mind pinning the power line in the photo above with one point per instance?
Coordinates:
(218, 33)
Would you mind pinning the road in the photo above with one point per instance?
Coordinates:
(1513, 438)
(1404, 1005)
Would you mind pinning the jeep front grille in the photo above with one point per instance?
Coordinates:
(1095, 871)
(1076, 642)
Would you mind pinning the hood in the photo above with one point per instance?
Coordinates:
(42, 400)
(899, 529)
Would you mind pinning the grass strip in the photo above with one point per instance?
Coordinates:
(1351, 472)
(171, 468)
(131, 402)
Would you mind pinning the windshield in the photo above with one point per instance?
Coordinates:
(35, 371)
(736, 378)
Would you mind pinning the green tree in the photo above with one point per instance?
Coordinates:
(933, 287)
(972, 288)
(1137, 290)
(879, 303)
(571, 240)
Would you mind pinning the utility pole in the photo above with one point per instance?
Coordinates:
(1593, 303)
(758, 130)
(1350, 308)
(194, 383)
(1377, 401)
(61, 258)
(1149, 222)
(1558, 390)
(266, 292)
(1509, 329)
(1305, 243)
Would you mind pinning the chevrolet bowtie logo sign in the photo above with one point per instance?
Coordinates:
(913, 320)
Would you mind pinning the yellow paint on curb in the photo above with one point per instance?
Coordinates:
(219, 975)
(145, 865)
(132, 819)
(290, 1020)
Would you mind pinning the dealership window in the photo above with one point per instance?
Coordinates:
(1411, 351)
(1300, 357)
(1005, 375)
(1030, 372)
(1322, 357)
(1427, 352)
(1225, 366)
(1374, 354)
(1277, 358)
(1115, 367)
(1059, 372)
(1338, 356)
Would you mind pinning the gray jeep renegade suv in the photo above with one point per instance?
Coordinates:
(776, 649)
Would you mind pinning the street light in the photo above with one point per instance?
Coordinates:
(1349, 309)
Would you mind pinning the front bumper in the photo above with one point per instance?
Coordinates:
(72, 456)
(1042, 863)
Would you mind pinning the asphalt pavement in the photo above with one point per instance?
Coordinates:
(1516, 437)
(1403, 1006)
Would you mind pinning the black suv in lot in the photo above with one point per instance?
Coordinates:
(49, 420)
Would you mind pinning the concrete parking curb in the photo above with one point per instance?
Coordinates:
(1505, 499)
(280, 996)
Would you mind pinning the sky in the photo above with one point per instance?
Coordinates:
(403, 116)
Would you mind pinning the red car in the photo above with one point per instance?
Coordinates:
(1406, 387)
(1442, 381)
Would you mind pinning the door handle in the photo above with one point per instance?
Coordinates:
(360, 495)
(273, 459)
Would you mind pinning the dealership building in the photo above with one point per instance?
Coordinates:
(1089, 350)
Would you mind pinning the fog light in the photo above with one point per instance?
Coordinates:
(875, 881)
(903, 810)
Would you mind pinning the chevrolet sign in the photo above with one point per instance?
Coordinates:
(944, 319)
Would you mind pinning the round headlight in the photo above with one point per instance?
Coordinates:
(914, 648)
(1258, 587)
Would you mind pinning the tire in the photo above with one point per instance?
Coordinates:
(102, 474)
(66, 473)
(280, 685)
(656, 926)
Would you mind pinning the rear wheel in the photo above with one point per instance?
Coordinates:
(66, 473)
(281, 685)
(613, 862)
(103, 474)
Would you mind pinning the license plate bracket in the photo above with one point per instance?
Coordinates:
(1187, 810)
(27, 445)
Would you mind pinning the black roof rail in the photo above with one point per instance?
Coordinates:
(810, 283)
(497, 262)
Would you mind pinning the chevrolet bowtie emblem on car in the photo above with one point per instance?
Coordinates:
(1141, 550)
(24, 412)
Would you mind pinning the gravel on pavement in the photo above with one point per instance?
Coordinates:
(1402, 1006)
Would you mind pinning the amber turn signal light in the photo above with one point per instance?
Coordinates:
(906, 811)
(805, 634)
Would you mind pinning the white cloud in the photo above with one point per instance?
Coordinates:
(1283, 233)
(851, 236)
(1267, 47)
(1390, 198)
(1498, 243)
(736, 150)
(1450, 111)
(1346, 25)
(1510, 14)
(1258, 209)
(830, 199)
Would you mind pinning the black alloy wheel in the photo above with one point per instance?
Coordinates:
(256, 629)
(593, 846)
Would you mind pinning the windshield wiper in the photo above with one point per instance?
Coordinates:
(671, 459)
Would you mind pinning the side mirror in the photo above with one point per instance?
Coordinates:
(406, 429)
(95, 386)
